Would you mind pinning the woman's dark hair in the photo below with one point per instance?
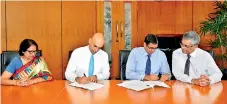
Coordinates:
(25, 44)
(151, 38)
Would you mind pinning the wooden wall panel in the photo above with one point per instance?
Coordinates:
(117, 35)
(78, 25)
(167, 17)
(100, 16)
(40, 21)
(3, 32)
(134, 24)
(147, 19)
(183, 17)
(201, 9)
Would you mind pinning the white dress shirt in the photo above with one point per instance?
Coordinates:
(201, 63)
(78, 64)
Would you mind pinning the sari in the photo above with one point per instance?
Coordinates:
(37, 67)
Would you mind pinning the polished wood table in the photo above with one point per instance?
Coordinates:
(59, 92)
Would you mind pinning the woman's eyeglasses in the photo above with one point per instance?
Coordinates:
(31, 52)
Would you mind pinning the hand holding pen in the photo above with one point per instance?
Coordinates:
(82, 80)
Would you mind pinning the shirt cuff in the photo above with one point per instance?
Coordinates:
(211, 80)
(141, 77)
(72, 78)
(98, 77)
(189, 80)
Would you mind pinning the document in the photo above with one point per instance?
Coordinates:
(157, 83)
(138, 85)
(89, 86)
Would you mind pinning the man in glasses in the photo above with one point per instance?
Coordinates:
(148, 62)
(89, 63)
(194, 65)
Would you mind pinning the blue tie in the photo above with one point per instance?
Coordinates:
(91, 66)
(148, 65)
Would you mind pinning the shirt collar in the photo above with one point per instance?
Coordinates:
(193, 53)
(90, 51)
(144, 52)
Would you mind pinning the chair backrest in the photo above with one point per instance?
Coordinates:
(123, 57)
(211, 52)
(168, 53)
(7, 56)
(169, 43)
(70, 53)
(224, 71)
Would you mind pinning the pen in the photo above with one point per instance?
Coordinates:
(84, 75)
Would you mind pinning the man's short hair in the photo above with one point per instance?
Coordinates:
(151, 38)
(193, 36)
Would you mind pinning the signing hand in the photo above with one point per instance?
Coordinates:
(93, 78)
(151, 77)
(82, 80)
(154, 77)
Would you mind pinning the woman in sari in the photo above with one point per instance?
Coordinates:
(27, 69)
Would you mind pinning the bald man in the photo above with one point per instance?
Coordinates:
(89, 63)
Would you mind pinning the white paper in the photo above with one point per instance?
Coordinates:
(89, 86)
(136, 85)
(157, 83)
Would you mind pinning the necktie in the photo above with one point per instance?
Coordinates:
(91, 66)
(187, 65)
(148, 65)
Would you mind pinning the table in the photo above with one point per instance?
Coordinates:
(59, 92)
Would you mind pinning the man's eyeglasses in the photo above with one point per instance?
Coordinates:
(151, 47)
(186, 46)
(31, 52)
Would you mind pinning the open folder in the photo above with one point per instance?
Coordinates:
(89, 86)
(138, 85)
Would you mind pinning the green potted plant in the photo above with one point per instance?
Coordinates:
(216, 25)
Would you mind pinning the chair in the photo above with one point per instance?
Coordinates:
(169, 43)
(70, 53)
(224, 72)
(211, 52)
(7, 56)
(168, 53)
(123, 57)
